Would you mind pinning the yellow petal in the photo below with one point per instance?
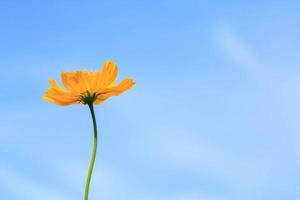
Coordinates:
(55, 85)
(116, 90)
(99, 101)
(60, 97)
(123, 86)
(107, 75)
(86, 80)
(72, 81)
(56, 101)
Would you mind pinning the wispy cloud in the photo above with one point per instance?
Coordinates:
(104, 180)
(27, 188)
(241, 53)
(197, 155)
(185, 196)
(283, 85)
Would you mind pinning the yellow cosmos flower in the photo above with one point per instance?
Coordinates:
(85, 87)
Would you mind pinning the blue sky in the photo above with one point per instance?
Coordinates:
(214, 115)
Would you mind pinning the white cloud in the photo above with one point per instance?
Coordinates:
(239, 52)
(198, 156)
(281, 84)
(185, 196)
(104, 179)
(26, 188)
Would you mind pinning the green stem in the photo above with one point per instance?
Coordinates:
(88, 180)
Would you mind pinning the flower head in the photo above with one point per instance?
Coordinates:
(86, 87)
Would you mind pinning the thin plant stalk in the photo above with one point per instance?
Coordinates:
(88, 180)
